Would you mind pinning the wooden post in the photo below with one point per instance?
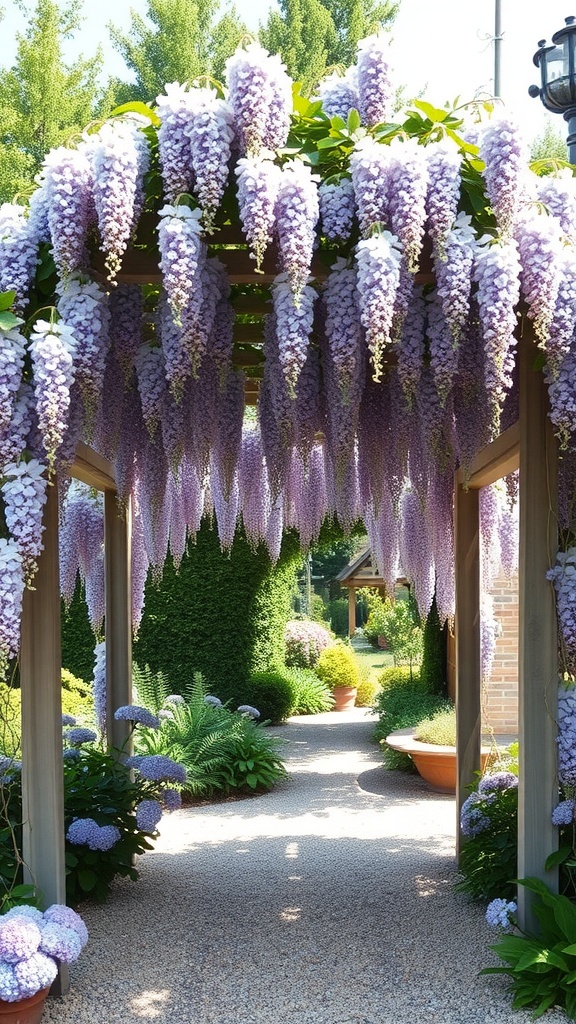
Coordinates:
(467, 622)
(351, 611)
(117, 547)
(537, 654)
(40, 683)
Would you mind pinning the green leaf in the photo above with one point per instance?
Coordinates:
(329, 143)
(433, 113)
(6, 300)
(561, 855)
(337, 122)
(252, 780)
(8, 321)
(353, 120)
(137, 107)
(87, 879)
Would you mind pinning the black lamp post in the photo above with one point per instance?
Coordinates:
(557, 64)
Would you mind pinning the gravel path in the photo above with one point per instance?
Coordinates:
(327, 901)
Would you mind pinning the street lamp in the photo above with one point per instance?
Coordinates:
(557, 64)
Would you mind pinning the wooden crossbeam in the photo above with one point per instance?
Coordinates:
(497, 459)
(92, 469)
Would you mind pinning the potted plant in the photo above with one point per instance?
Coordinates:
(338, 667)
(432, 746)
(32, 944)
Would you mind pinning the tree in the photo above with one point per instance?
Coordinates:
(43, 100)
(185, 39)
(550, 144)
(314, 35)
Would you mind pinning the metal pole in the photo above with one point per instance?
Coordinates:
(571, 140)
(497, 47)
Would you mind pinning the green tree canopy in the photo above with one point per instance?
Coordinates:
(313, 35)
(181, 40)
(550, 144)
(43, 100)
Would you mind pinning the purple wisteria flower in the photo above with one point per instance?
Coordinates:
(76, 737)
(137, 714)
(148, 814)
(158, 767)
(500, 914)
(563, 813)
(498, 781)
(567, 735)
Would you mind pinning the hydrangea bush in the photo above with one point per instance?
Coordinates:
(305, 642)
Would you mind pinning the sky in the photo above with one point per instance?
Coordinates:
(442, 48)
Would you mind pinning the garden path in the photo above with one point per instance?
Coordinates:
(328, 901)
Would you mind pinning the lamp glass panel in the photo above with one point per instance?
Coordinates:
(557, 65)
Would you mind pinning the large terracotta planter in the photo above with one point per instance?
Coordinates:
(344, 697)
(436, 764)
(24, 1011)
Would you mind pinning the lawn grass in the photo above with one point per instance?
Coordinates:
(375, 659)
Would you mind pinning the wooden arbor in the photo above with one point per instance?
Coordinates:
(40, 678)
(528, 445)
(360, 573)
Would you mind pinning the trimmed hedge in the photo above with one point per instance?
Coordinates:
(78, 640)
(220, 614)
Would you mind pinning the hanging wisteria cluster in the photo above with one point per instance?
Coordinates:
(401, 255)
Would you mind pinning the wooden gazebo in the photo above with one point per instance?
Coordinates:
(360, 572)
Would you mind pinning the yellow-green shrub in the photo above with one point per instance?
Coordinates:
(366, 695)
(76, 700)
(338, 666)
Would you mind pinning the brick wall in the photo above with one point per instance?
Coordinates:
(500, 695)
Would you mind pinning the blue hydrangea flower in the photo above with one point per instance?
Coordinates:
(214, 702)
(9, 987)
(563, 813)
(68, 720)
(76, 737)
(246, 709)
(19, 938)
(9, 765)
(171, 799)
(35, 973)
(71, 754)
(158, 767)
(24, 911)
(498, 781)
(499, 914)
(133, 761)
(60, 942)
(473, 820)
(87, 832)
(63, 915)
(138, 715)
(148, 814)
(175, 698)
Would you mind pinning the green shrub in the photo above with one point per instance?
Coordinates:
(489, 821)
(77, 636)
(338, 666)
(271, 693)
(401, 703)
(151, 688)
(433, 667)
(77, 699)
(310, 694)
(219, 614)
(338, 614)
(366, 695)
(220, 749)
(440, 729)
(397, 676)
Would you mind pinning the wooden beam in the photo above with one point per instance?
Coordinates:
(467, 623)
(117, 548)
(497, 459)
(251, 305)
(537, 654)
(41, 693)
(351, 611)
(92, 469)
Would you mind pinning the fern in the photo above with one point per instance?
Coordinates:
(151, 687)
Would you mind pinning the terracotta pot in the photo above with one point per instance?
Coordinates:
(344, 697)
(436, 764)
(24, 1011)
